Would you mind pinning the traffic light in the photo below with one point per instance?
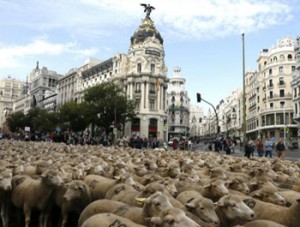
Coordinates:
(198, 97)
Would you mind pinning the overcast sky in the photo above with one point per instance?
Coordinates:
(203, 37)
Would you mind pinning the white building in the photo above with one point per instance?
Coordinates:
(178, 103)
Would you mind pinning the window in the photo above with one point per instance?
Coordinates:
(138, 87)
(281, 93)
(293, 68)
(137, 104)
(139, 67)
(271, 94)
(152, 88)
(151, 104)
(270, 83)
(152, 68)
(270, 71)
(281, 69)
(271, 105)
(281, 81)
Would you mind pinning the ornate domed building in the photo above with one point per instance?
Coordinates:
(145, 81)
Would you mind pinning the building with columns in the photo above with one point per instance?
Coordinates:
(141, 73)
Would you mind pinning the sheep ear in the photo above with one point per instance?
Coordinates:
(191, 205)
(119, 189)
(207, 186)
(154, 220)
(219, 204)
(256, 194)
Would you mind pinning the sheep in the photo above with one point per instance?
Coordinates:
(199, 206)
(238, 184)
(269, 193)
(260, 223)
(108, 219)
(99, 185)
(153, 205)
(231, 209)
(174, 217)
(290, 196)
(5, 189)
(288, 216)
(75, 198)
(35, 193)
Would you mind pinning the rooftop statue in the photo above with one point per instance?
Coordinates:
(148, 9)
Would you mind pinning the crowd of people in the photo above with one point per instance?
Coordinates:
(265, 148)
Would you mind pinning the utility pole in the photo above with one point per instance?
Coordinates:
(244, 95)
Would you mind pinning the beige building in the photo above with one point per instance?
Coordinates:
(269, 94)
(10, 90)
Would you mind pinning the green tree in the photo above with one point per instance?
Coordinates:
(73, 116)
(40, 120)
(16, 121)
(108, 106)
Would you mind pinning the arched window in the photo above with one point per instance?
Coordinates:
(139, 67)
(281, 57)
(290, 57)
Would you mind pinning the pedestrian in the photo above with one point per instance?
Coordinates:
(175, 144)
(249, 148)
(268, 147)
(280, 148)
(260, 148)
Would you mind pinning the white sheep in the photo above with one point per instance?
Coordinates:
(35, 193)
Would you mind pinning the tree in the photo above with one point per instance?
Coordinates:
(15, 121)
(73, 116)
(108, 106)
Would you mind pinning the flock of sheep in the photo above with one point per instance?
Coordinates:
(53, 184)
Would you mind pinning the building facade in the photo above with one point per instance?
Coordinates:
(269, 94)
(42, 81)
(196, 117)
(178, 103)
(141, 73)
(10, 90)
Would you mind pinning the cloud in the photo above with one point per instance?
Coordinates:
(11, 56)
(191, 19)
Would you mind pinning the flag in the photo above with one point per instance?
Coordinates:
(157, 86)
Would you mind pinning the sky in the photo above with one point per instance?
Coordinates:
(202, 37)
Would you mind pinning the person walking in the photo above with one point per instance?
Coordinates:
(268, 147)
(249, 148)
(280, 148)
(260, 148)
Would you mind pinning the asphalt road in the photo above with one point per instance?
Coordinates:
(292, 155)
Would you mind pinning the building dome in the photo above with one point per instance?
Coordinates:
(145, 30)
